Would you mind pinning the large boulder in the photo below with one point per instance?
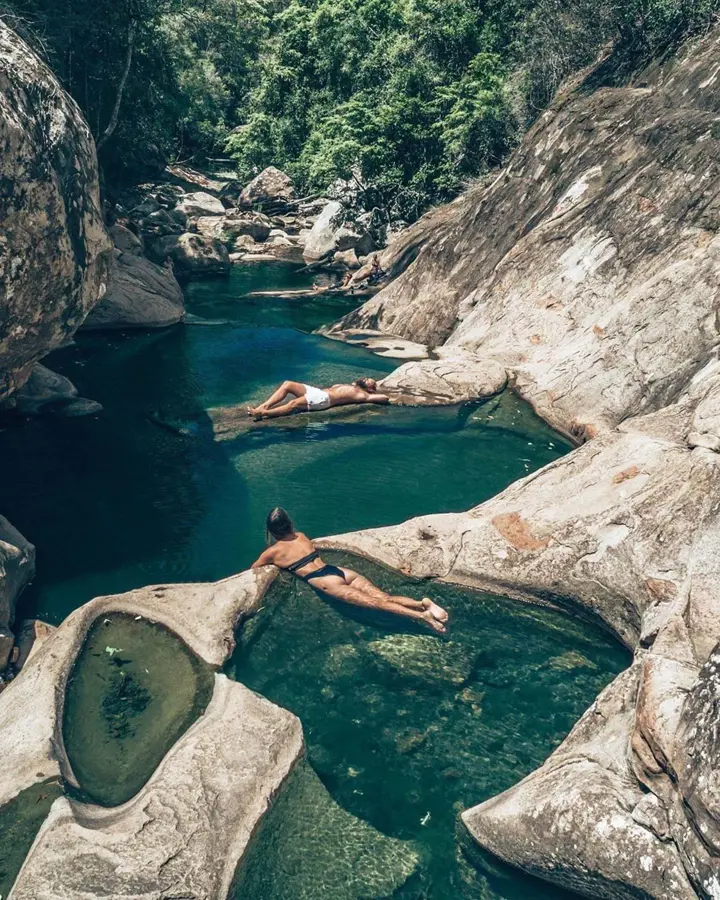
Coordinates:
(271, 188)
(46, 393)
(454, 378)
(17, 567)
(192, 254)
(608, 252)
(200, 203)
(53, 245)
(140, 294)
(329, 234)
(229, 227)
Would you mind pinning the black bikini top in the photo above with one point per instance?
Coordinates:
(293, 567)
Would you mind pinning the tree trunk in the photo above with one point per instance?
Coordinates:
(112, 124)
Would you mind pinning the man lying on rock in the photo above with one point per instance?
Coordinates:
(306, 398)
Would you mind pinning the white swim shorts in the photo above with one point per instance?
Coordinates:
(316, 399)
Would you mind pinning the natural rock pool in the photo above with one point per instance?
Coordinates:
(406, 730)
(116, 502)
(134, 689)
(403, 729)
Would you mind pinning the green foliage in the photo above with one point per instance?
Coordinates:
(411, 97)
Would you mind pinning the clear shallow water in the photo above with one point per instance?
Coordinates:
(135, 688)
(403, 731)
(115, 502)
(20, 821)
(406, 730)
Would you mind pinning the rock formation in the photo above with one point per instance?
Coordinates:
(588, 270)
(140, 294)
(17, 567)
(52, 243)
(192, 821)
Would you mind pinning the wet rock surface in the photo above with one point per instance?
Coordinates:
(53, 245)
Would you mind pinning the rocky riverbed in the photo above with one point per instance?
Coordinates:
(584, 275)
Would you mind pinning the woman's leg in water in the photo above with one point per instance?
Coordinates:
(354, 595)
(356, 580)
(287, 387)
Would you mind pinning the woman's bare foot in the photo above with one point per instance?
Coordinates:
(436, 611)
(434, 623)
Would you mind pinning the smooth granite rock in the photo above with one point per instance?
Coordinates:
(184, 833)
(53, 245)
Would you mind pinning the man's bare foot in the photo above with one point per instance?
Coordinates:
(436, 611)
(433, 622)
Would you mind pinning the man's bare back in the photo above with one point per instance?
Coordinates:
(306, 398)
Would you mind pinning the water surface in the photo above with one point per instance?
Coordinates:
(406, 729)
(113, 502)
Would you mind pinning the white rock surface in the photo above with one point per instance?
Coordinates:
(185, 831)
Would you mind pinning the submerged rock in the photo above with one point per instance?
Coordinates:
(53, 244)
(425, 657)
(309, 847)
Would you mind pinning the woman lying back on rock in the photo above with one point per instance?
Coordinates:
(295, 553)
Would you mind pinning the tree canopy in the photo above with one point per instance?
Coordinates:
(410, 97)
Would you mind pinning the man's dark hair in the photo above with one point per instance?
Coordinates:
(278, 523)
(364, 383)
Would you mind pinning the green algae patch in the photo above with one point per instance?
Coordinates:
(20, 821)
(308, 847)
(134, 690)
(407, 729)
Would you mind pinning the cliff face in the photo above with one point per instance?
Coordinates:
(52, 240)
(589, 267)
(53, 248)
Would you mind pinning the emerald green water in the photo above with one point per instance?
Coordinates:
(20, 821)
(406, 730)
(403, 729)
(115, 502)
(135, 688)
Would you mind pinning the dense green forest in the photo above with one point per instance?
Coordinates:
(413, 97)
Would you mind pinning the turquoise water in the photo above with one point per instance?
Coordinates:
(134, 689)
(115, 502)
(403, 729)
(406, 730)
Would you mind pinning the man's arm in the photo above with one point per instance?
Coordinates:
(378, 398)
(266, 558)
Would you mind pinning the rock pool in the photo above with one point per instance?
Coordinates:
(134, 689)
(406, 730)
(115, 502)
